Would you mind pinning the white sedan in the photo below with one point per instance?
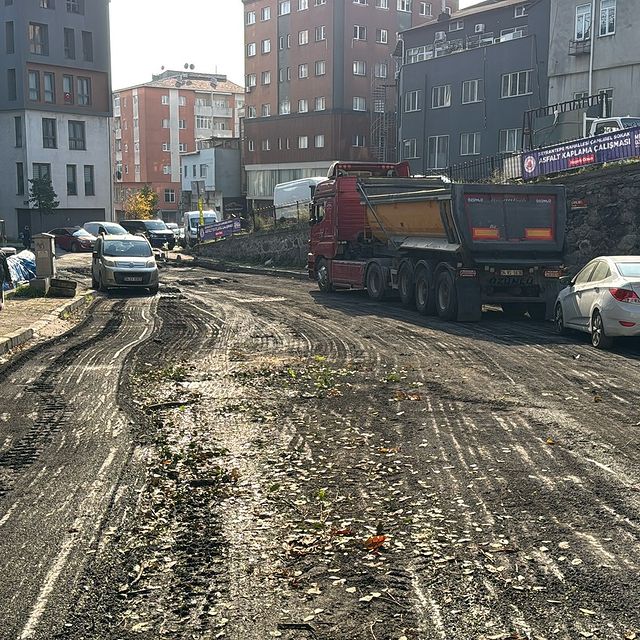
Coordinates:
(603, 300)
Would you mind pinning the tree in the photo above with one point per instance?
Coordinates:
(43, 196)
(141, 205)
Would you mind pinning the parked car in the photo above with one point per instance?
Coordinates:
(602, 299)
(174, 227)
(155, 231)
(106, 228)
(73, 239)
(124, 261)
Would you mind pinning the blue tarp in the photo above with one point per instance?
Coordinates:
(22, 267)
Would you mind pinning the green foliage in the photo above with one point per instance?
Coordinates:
(42, 195)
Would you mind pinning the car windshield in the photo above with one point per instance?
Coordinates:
(629, 269)
(207, 220)
(82, 232)
(113, 229)
(155, 225)
(126, 249)
(627, 123)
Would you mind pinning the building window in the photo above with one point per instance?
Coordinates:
(42, 170)
(12, 88)
(169, 196)
(251, 80)
(251, 145)
(320, 104)
(67, 89)
(165, 123)
(425, 9)
(75, 6)
(321, 33)
(251, 49)
(404, 5)
(77, 137)
(438, 152)
(303, 71)
(303, 142)
(303, 4)
(456, 25)
(49, 81)
(266, 110)
(84, 91)
(382, 4)
(381, 70)
(358, 140)
(285, 107)
(359, 32)
(266, 145)
(284, 7)
(318, 3)
(509, 140)
(204, 122)
(469, 144)
(182, 147)
(34, 86)
(164, 100)
(583, 22)
(303, 105)
(251, 112)
(409, 149)
(607, 17)
(182, 124)
(441, 96)
(49, 133)
(87, 46)
(520, 11)
(166, 146)
(39, 39)
(266, 46)
(72, 180)
(359, 68)
(17, 125)
(47, 4)
(19, 179)
(265, 77)
(321, 67)
(250, 18)
(182, 101)
(9, 37)
(303, 37)
(412, 101)
(359, 103)
(166, 169)
(265, 14)
(471, 91)
(382, 36)
(319, 141)
(281, 43)
(516, 84)
(360, 2)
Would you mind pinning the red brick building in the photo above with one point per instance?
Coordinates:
(320, 81)
(157, 121)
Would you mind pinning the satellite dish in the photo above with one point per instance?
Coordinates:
(162, 68)
(192, 67)
(186, 65)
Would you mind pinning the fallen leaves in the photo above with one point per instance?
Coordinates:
(374, 543)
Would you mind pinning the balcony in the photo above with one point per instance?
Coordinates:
(579, 47)
(213, 112)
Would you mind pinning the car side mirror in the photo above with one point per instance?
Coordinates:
(565, 280)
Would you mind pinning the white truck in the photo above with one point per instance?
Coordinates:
(291, 199)
(191, 222)
(598, 126)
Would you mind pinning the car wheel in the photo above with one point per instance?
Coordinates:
(599, 339)
(558, 320)
(375, 282)
(94, 282)
(322, 276)
(446, 296)
(74, 247)
(406, 286)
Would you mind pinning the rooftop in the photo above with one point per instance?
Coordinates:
(190, 81)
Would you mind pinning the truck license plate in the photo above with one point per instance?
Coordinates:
(511, 272)
(132, 279)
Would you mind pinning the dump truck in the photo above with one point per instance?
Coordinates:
(444, 248)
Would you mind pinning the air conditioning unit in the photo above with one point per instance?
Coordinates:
(479, 28)
(441, 36)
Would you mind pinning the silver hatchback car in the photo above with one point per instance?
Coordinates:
(123, 261)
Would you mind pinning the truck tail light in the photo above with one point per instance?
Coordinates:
(625, 295)
(467, 273)
(552, 273)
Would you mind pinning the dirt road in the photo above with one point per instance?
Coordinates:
(274, 462)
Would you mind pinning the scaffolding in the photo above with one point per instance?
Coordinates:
(382, 138)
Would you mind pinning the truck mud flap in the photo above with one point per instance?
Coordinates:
(469, 300)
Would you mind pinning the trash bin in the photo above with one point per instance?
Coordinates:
(45, 250)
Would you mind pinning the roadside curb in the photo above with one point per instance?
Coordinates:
(16, 338)
(217, 265)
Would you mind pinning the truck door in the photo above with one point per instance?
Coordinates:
(323, 237)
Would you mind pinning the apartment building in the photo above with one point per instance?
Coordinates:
(154, 123)
(55, 105)
(594, 49)
(320, 82)
(467, 80)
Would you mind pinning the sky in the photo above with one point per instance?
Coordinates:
(147, 35)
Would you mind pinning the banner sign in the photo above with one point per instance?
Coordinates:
(608, 147)
(219, 230)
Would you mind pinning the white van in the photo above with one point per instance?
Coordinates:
(190, 222)
(291, 199)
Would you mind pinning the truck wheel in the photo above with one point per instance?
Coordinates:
(406, 286)
(424, 294)
(537, 311)
(446, 296)
(375, 282)
(322, 276)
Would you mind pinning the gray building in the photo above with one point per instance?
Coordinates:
(606, 58)
(466, 80)
(55, 105)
